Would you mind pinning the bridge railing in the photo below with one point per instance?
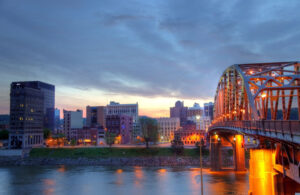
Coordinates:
(279, 126)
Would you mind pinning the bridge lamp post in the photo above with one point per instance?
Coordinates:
(201, 144)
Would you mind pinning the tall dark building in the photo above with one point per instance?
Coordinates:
(179, 111)
(4, 121)
(209, 110)
(31, 109)
(49, 103)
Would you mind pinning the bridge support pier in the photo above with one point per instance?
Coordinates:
(261, 174)
(215, 154)
(239, 153)
(263, 179)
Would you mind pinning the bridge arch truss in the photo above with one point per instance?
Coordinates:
(261, 91)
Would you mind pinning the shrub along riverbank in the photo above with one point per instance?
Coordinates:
(114, 157)
(112, 152)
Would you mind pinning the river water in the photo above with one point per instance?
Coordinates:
(118, 180)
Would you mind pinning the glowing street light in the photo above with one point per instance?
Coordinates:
(263, 95)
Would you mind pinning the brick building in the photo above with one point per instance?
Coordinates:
(121, 126)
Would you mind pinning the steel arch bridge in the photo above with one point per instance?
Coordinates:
(259, 99)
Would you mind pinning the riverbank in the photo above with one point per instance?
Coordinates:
(113, 152)
(111, 157)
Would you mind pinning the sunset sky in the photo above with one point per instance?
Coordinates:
(150, 52)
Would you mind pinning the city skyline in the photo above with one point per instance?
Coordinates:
(82, 100)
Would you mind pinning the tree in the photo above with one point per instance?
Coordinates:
(110, 138)
(47, 133)
(177, 146)
(73, 142)
(4, 134)
(149, 128)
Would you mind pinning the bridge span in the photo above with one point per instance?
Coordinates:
(260, 100)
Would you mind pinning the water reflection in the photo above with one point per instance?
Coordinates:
(139, 175)
(119, 171)
(195, 179)
(119, 177)
(61, 168)
(117, 180)
(162, 171)
(48, 186)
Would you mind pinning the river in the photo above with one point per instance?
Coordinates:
(119, 180)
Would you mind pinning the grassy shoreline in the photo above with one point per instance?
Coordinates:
(110, 152)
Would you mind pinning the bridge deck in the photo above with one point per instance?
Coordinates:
(288, 131)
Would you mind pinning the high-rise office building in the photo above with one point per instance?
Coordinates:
(202, 122)
(167, 127)
(209, 110)
(132, 110)
(196, 110)
(115, 108)
(72, 120)
(95, 116)
(31, 110)
(179, 111)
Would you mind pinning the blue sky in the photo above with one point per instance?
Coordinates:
(150, 52)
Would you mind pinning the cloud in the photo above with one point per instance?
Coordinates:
(150, 49)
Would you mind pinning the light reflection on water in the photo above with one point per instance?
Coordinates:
(118, 180)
